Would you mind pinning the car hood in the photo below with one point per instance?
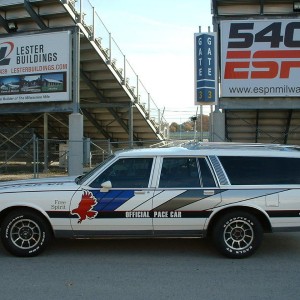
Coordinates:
(39, 184)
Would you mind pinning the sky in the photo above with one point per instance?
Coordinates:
(157, 38)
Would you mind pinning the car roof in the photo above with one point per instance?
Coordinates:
(224, 149)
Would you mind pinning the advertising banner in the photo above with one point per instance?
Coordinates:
(206, 80)
(35, 68)
(260, 58)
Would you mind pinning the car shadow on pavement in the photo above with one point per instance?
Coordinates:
(175, 246)
(276, 243)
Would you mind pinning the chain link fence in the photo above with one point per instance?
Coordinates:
(32, 157)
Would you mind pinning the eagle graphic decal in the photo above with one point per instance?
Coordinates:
(85, 207)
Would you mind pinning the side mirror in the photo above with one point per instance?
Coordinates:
(105, 186)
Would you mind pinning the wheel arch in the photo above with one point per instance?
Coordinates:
(10, 209)
(260, 215)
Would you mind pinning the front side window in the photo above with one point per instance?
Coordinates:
(126, 173)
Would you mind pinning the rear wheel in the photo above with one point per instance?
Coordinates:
(237, 234)
(25, 233)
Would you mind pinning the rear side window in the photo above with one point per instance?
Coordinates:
(261, 170)
(185, 172)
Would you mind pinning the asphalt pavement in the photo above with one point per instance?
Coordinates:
(153, 269)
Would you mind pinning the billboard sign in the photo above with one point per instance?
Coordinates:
(35, 68)
(260, 58)
(206, 79)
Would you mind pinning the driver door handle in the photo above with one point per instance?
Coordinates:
(139, 192)
(208, 192)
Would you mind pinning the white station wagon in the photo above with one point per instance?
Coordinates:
(232, 193)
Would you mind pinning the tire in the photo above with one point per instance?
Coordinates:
(237, 234)
(25, 233)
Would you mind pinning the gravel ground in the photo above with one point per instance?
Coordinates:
(24, 175)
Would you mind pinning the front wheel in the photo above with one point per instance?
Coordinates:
(237, 234)
(25, 233)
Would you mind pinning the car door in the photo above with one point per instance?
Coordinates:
(122, 209)
(185, 193)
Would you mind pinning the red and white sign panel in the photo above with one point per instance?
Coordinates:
(260, 58)
(35, 67)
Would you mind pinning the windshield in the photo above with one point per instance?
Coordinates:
(81, 179)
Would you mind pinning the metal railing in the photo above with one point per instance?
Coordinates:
(98, 32)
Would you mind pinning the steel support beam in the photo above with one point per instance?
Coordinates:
(261, 3)
(53, 129)
(90, 117)
(104, 105)
(45, 142)
(103, 99)
(256, 126)
(130, 126)
(13, 143)
(288, 125)
(19, 131)
(90, 84)
(226, 126)
(35, 17)
(4, 24)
